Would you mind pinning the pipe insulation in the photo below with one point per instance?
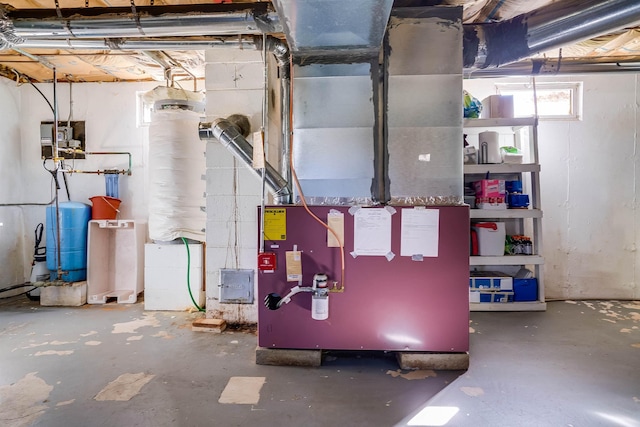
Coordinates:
(8, 37)
(176, 168)
(230, 135)
(549, 27)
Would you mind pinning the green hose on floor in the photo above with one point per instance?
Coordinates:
(188, 275)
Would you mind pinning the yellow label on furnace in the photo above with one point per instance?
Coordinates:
(275, 224)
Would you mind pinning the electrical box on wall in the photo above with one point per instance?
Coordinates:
(236, 286)
(71, 135)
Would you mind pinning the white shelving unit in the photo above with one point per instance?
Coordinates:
(524, 221)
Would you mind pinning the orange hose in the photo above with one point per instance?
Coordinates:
(297, 183)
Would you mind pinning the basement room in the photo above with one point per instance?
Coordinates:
(319, 213)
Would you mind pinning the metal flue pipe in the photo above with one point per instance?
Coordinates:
(282, 54)
(552, 26)
(228, 134)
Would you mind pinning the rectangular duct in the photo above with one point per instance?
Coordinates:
(424, 114)
(359, 137)
(333, 45)
(334, 130)
(323, 27)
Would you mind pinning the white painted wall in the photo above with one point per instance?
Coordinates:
(589, 189)
(14, 247)
(110, 114)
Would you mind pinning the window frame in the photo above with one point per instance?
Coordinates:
(142, 107)
(574, 87)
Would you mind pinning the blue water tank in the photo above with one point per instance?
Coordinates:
(74, 225)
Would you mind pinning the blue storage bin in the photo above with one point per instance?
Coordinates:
(525, 289)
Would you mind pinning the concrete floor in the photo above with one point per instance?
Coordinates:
(578, 364)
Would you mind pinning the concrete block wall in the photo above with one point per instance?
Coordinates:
(234, 81)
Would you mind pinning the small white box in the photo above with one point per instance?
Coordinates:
(491, 206)
(497, 107)
(490, 281)
(512, 158)
(165, 276)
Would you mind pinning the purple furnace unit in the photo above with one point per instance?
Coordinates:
(397, 304)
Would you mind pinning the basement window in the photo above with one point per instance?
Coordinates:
(143, 110)
(556, 101)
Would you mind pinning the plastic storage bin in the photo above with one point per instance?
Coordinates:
(116, 256)
(74, 217)
(165, 276)
(525, 289)
(491, 237)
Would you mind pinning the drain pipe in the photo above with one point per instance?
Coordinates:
(56, 166)
(228, 132)
(549, 27)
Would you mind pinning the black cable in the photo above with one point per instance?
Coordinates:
(66, 184)
(13, 296)
(40, 92)
(28, 204)
(10, 288)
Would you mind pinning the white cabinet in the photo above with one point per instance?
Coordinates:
(165, 276)
(521, 133)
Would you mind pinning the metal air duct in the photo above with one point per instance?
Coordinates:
(138, 44)
(552, 26)
(231, 137)
(150, 21)
(321, 31)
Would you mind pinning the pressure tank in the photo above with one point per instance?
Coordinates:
(74, 224)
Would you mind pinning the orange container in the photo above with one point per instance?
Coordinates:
(104, 207)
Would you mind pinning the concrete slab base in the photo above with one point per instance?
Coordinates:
(288, 357)
(436, 361)
(67, 295)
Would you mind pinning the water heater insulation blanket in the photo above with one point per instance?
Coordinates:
(177, 166)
